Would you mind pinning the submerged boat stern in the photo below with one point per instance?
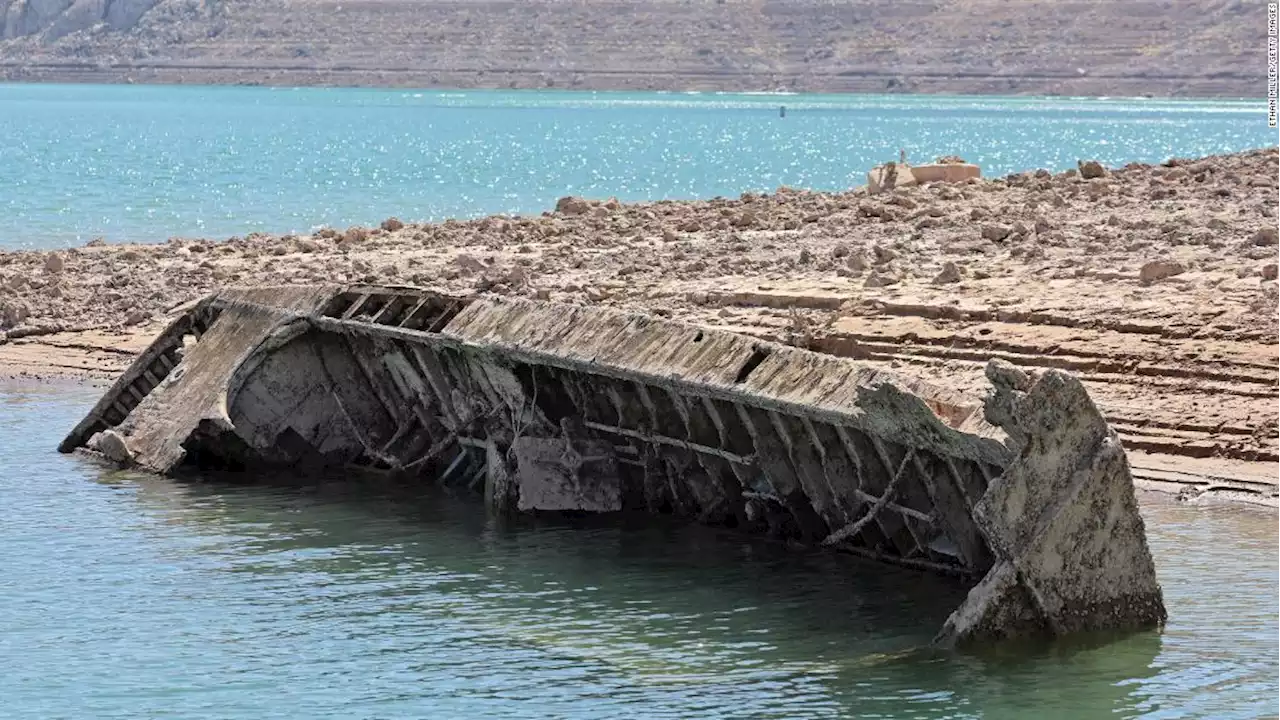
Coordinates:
(549, 407)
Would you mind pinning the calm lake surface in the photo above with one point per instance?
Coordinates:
(130, 596)
(138, 163)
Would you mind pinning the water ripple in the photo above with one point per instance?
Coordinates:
(125, 596)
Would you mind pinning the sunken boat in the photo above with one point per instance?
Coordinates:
(1026, 493)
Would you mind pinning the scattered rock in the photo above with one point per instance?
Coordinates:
(1091, 169)
(871, 209)
(639, 256)
(1265, 236)
(572, 205)
(13, 312)
(468, 263)
(995, 232)
(114, 447)
(880, 279)
(950, 274)
(517, 276)
(884, 254)
(1159, 270)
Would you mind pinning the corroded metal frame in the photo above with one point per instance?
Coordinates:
(700, 423)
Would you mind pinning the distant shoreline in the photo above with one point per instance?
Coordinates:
(762, 94)
(845, 83)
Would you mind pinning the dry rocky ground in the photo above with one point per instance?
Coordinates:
(1155, 284)
(1069, 47)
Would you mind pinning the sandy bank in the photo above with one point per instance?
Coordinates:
(1155, 284)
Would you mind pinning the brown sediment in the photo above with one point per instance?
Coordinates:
(1153, 284)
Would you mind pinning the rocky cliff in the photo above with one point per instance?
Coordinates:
(1137, 47)
(54, 19)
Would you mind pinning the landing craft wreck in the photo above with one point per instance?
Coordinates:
(549, 407)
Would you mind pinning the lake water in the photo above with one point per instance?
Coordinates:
(130, 596)
(144, 163)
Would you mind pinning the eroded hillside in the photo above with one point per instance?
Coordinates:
(1137, 47)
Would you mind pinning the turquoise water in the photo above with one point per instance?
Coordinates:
(145, 163)
(129, 596)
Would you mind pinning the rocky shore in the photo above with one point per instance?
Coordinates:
(1155, 284)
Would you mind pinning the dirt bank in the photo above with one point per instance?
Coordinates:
(1155, 284)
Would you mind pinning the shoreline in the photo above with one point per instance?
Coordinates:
(843, 83)
(746, 92)
(1154, 284)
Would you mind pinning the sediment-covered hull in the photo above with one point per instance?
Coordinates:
(548, 407)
